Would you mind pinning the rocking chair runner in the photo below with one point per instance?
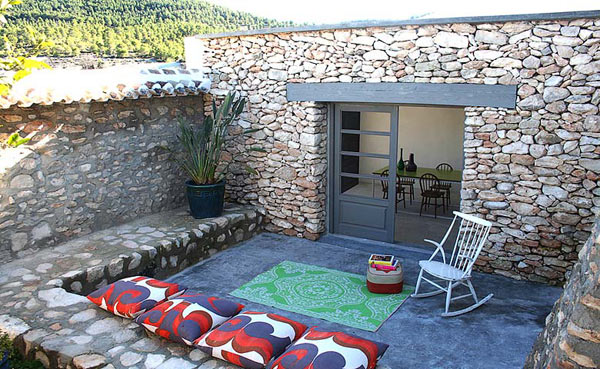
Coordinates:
(472, 234)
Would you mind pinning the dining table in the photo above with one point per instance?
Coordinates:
(443, 175)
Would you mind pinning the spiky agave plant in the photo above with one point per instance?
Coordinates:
(203, 144)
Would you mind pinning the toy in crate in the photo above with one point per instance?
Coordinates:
(384, 274)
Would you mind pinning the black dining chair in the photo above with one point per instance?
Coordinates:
(429, 184)
(409, 183)
(400, 192)
(445, 186)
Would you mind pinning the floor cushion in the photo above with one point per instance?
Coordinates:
(132, 296)
(320, 349)
(185, 318)
(251, 339)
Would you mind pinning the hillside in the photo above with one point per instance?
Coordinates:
(124, 28)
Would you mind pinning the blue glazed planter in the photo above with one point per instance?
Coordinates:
(206, 201)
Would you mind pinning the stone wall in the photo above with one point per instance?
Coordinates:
(571, 338)
(535, 175)
(291, 179)
(88, 167)
(533, 170)
(51, 298)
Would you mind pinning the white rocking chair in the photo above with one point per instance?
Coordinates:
(472, 234)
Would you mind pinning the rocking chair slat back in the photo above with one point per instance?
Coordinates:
(472, 234)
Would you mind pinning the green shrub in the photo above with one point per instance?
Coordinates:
(16, 359)
(15, 140)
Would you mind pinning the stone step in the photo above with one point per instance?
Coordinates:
(43, 307)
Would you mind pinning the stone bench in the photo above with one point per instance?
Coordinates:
(42, 295)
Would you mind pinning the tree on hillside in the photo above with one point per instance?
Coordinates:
(17, 66)
(136, 28)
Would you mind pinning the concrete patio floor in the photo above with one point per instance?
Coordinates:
(498, 335)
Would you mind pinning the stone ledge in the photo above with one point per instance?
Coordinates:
(51, 323)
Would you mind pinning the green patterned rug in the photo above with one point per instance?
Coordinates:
(318, 292)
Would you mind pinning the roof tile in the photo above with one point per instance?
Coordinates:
(47, 87)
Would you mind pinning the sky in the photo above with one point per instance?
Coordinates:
(328, 11)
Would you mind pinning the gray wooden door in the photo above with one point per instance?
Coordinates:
(365, 140)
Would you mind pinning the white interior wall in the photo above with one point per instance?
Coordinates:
(433, 134)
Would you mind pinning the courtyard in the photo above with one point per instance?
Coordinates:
(42, 293)
(497, 335)
(497, 115)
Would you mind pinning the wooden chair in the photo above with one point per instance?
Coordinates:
(400, 193)
(445, 186)
(472, 234)
(409, 183)
(429, 184)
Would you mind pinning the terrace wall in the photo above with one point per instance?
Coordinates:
(533, 171)
(571, 338)
(89, 166)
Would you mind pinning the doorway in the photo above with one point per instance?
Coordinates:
(373, 197)
(435, 135)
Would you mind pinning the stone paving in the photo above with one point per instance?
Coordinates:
(497, 335)
(43, 308)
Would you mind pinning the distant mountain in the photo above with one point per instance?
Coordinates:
(124, 28)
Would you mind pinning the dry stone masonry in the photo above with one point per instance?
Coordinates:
(571, 338)
(88, 167)
(533, 171)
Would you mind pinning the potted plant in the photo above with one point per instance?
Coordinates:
(200, 158)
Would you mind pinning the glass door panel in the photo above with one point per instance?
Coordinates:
(365, 145)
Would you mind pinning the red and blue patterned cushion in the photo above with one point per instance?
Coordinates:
(251, 339)
(187, 317)
(132, 296)
(319, 349)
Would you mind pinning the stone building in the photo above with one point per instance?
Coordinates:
(528, 87)
(95, 158)
(510, 101)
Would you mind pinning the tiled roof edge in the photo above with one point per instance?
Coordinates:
(85, 86)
